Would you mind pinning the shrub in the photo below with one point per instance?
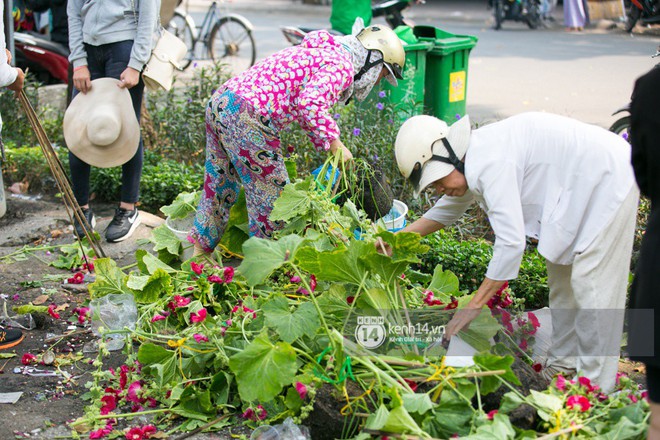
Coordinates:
(469, 259)
(28, 164)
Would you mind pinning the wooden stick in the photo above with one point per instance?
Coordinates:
(561, 432)
(66, 335)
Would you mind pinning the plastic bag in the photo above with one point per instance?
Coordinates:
(286, 431)
(113, 312)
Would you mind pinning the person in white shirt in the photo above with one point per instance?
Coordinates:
(567, 184)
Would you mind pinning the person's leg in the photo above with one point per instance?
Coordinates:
(600, 281)
(563, 348)
(257, 158)
(221, 182)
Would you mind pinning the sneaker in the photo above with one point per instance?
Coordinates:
(10, 337)
(91, 221)
(123, 225)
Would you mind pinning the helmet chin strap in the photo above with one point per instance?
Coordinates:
(452, 159)
(367, 65)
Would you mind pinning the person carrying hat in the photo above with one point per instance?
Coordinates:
(298, 84)
(111, 39)
(565, 183)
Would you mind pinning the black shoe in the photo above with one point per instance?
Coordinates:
(10, 337)
(122, 225)
(91, 221)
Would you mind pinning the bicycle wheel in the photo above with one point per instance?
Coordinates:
(180, 27)
(231, 42)
(622, 127)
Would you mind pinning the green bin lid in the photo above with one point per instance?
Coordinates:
(444, 42)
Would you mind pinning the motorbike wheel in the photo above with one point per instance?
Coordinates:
(498, 14)
(533, 18)
(622, 127)
(632, 16)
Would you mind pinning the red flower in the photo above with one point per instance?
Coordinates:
(501, 289)
(228, 274)
(181, 301)
(523, 344)
(134, 389)
(578, 402)
(100, 433)
(196, 268)
(585, 382)
(89, 266)
(214, 279)
(412, 384)
(537, 367)
(534, 320)
(491, 414)
(109, 403)
(198, 316)
(452, 305)
(52, 312)
(261, 412)
(200, 338)
(350, 299)
(83, 314)
(28, 358)
(295, 279)
(158, 317)
(312, 282)
(560, 383)
(77, 278)
(430, 300)
(135, 434)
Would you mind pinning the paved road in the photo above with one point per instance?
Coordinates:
(585, 75)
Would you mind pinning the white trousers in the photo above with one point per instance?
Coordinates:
(588, 298)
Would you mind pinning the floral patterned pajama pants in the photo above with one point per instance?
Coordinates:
(242, 147)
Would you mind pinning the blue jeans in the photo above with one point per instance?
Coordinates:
(110, 60)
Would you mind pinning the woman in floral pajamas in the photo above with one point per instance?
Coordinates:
(245, 115)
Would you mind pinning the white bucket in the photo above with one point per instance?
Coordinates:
(181, 228)
(396, 218)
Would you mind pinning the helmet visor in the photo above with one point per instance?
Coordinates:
(391, 74)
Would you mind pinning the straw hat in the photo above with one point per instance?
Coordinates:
(100, 127)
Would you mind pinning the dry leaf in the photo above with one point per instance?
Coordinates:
(40, 299)
(61, 307)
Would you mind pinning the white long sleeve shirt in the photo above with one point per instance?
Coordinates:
(543, 176)
(7, 73)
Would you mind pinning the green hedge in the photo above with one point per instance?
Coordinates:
(469, 259)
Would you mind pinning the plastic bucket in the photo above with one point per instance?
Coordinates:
(395, 220)
(181, 227)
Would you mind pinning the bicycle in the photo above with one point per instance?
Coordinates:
(225, 36)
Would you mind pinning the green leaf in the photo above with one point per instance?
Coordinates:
(164, 239)
(636, 413)
(546, 404)
(444, 281)
(417, 403)
(195, 404)
(377, 419)
(149, 354)
(29, 308)
(263, 369)
(109, 279)
(293, 400)
(220, 386)
(7, 355)
(342, 265)
(237, 230)
(491, 362)
(290, 325)
(149, 263)
(406, 246)
(156, 286)
(452, 416)
(263, 256)
(184, 204)
(293, 202)
(623, 429)
(510, 401)
(481, 331)
(499, 429)
(374, 298)
(400, 422)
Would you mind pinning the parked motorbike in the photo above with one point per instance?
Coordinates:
(526, 11)
(645, 11)
(391, 10)
(46, 60)
(622, 125)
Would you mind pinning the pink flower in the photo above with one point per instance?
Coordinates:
(523, 344)
(581, 402)
(214, 279)
(633, 398)
(534, 320)
(135, 434)
(560, 383)
(196, 268)
(295, 279)
(181, 301)
(228, 274)
(585, 382)
(249, 310)
(198, 316)
(261, 412)
(620, 376)
(645, 395)
(52, 312)
(302, 291)
(200, 338)
(158, 317)
(148, 430)
(312, 283)
(109, 403)
(28, 358)
(134, 390)
(83, 314)
(491, 414)
(89, 266)
(301, 389)
(100, 433)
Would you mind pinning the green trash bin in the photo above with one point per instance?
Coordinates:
(408, 97)
(446, 76)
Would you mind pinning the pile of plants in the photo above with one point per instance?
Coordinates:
(289, 333)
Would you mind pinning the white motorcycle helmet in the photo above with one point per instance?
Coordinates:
(427, 149)
(385, 41)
